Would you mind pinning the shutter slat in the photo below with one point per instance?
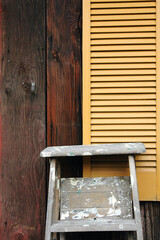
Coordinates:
(123, 11)
(122, 5)
(123, 17)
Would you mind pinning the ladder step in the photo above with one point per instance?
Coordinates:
(94, 225)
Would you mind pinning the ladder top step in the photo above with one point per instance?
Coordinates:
(91, 150)
(94, 225)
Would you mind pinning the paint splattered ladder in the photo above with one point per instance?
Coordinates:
(92, 204)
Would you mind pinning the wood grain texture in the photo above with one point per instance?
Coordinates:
(64, 77)
(22, 174)
(94, 198)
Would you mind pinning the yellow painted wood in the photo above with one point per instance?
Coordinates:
(123, 47)
(158, 96)
(122, 1)
(123, 66)
(110, 127)
(123, 115)
(124, 60)
(123, 96)
(86, 72)
(123, 29)
(123, 11)
(100, 109)
(124, 54)
(123, 78)
(126, 121)
(123, 17)
(124, 103)
(123, 35)
(123, 72)
(121, 84)
(123, 5)
(96, 140)
(123, 90)
(123, 23)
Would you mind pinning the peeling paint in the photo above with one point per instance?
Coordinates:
(73, 181)
(87, 154)
(64, 215)
(112, 201)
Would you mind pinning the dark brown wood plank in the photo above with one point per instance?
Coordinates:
(22, 173)
(64, 77)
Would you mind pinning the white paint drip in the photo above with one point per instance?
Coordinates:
(86, 225)
(120, 226)
(87, 154)
(114, 212)
(80, 215)
(112, 201)
(73, 182)
(64, 215)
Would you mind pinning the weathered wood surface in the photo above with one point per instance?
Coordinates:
(94, 225)
(91, 198)
(22, 173)
(92, 150)
(136, 206)
(53, 198)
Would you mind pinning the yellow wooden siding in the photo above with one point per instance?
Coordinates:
(120, 85)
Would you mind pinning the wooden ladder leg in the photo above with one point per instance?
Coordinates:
(136, 206)
(62, 236)
(51, 202)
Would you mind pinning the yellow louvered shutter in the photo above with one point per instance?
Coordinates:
(120, 85)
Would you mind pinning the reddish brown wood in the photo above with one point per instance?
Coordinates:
(64, 77)
(22, 173)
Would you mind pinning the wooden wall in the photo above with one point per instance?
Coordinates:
(23, 59)
(22, 172)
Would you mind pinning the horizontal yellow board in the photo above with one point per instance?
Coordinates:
(123, 17)
(123, 60)
(123, 11)
(123, 47)
(124, 121)
(122, 164)
(100, 1)
(123, 133)
(123, 78)
(146, 157)
(123, 109)
(124, 115)
(123, 72)
(123, 41)
(124, 139)
(124, 54)
(123, 127)
(123, 90)
(123, 23)
(122, 5)
(123, 96)
(124, 103)
(122, 66)
(122, 84)
(123, 29)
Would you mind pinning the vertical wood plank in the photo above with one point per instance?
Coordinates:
(64, 77)
(86, 73)
(22, 172)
